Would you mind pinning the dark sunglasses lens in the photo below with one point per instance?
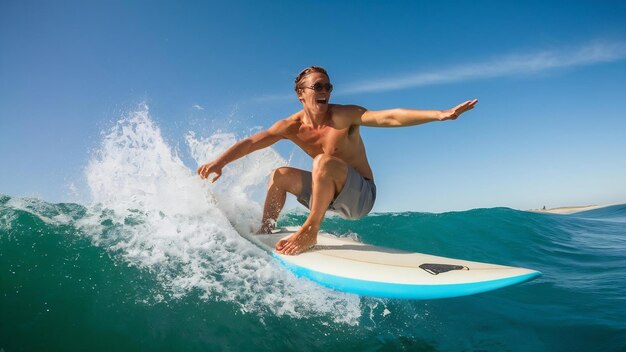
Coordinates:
(318, 87)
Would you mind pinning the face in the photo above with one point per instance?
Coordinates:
(315, 101)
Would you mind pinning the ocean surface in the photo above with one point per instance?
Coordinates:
(154, 262)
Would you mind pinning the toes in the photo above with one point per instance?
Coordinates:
(285, 247)
(291, 250)
(281, 245)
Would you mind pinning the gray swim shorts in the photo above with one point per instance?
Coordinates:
(355, 200)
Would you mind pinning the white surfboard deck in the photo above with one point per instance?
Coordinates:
(350, 266)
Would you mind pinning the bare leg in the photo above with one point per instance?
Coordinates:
(282, 180)
(329, 177)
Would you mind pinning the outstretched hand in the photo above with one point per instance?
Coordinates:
(210, 168)
(453, 113)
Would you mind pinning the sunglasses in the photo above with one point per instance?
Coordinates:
(319, 86)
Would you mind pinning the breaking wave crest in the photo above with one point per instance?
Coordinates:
(155, 213)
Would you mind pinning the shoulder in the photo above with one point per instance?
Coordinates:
(347, 109)
(287, 126)
(347, 115)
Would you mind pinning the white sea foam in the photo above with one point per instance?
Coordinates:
(159, 216)
(42, 210)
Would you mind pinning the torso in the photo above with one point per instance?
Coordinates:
(334, 138)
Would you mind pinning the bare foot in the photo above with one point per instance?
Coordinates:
(266, 228)
(299, 242)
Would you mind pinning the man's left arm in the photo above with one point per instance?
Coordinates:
(409, 117)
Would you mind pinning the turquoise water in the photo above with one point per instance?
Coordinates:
(153, 261)
(75, 277)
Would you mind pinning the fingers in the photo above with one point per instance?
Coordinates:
(469, 105)
(203, 171)
(463, 107)
(207, 169)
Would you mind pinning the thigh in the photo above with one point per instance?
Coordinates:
(332, 166)
(357, 197)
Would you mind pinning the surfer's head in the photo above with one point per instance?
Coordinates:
(302, 75)
(313, 87)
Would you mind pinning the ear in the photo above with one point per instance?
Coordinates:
(299, 92)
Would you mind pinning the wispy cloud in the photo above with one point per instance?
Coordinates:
(197, 107)
(509, 65)
(500, 66)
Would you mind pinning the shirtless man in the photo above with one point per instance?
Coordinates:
(342, 179)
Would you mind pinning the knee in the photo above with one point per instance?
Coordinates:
(277, 177)
(322, 163)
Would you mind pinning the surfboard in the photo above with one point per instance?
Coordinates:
(346, 265)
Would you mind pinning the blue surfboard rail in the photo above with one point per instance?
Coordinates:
(404, 291)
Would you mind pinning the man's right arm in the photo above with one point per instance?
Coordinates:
(244, 147)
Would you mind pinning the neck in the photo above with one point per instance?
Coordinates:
(316, 119)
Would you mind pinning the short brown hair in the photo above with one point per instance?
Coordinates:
(305, 72)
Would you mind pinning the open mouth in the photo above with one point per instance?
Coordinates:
(322, 101)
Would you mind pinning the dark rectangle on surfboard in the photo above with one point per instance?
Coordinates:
(436, 269)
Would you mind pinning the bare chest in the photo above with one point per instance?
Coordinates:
(327, 140)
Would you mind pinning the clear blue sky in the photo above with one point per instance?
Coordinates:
(549, 129)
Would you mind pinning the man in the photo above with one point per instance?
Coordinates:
(342, 179)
